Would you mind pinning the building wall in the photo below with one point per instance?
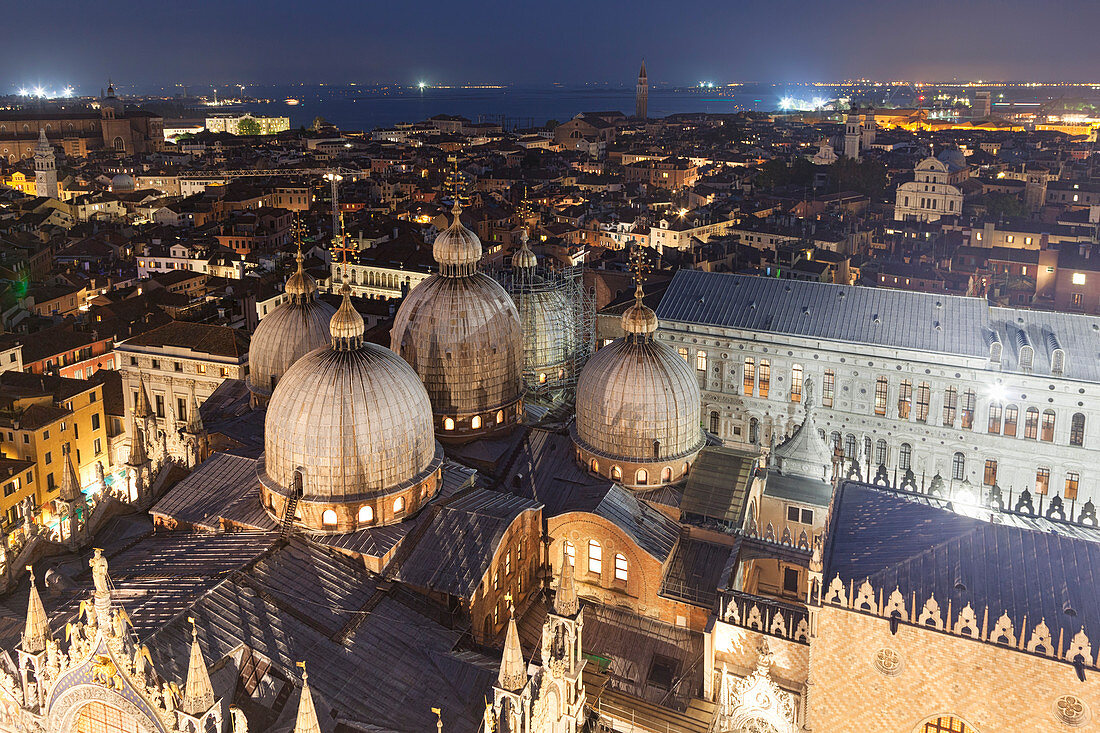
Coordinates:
(856, 369)
(990, 687)
(515, 569)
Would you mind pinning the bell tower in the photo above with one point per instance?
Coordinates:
(45, 167)
(641, 94)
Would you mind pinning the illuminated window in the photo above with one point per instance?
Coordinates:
(905, 399)
(620, 568)
(989, 476)
(595, 557)
(616, 473)
(666, 474)
(1073, 479)
(1031, 423)
(828, 387)
(946, 724)
(1047, 433)
(500, 416)
(642, 477)
(749, 381)
(701, 360)
(98, 717)
(399, 505)
(1042, 481)
(995, 412)
(950, 404)
(366, 514)
(448, 423)
(1077, 430)
(508, 563)
(970, 401)
(595, 466)
(571, 553)
(796, 383)
(881, 391)
(328, 518)
(905, 457)
(1010, 239)
(683, 354)
(475, 422)
(765, 377)
(1011, 414)
(924, 392)
(1078, 278)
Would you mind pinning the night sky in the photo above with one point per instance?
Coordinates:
(156, 42)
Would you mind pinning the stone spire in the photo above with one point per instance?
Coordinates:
(513, 672)
(194, 417)
(198, 694)
(565, 601)
(142, 408)
(307, 721)
(70, 484)
(138, 454)
(37, 630)
(805, 453)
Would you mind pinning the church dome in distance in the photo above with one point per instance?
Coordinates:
(460, 331)
(123, 183)
(288, 333)
(638, 407)
(349, 431)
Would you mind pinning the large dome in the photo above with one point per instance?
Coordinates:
(349, 429)
(638, 408)
(288, 333)
(548, 320)
(460, 331)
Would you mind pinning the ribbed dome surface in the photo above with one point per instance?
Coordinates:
(283, 337)
(631, 394)
(457, 248)
(358, 422)
(462, 336)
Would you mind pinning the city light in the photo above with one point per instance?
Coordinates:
(421, 85)
(41, 92)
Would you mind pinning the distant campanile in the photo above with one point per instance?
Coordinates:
(641, 96)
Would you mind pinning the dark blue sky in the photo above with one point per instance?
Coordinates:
(271, 41)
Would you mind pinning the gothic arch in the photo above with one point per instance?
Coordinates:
(929, 723)
(64, 712)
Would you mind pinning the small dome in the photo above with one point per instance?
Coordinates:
(349, 426)
(347, 325)
(123, 183)
(953, 158)
(457, 249)
(638, 407)
(288, 333)
(524, 258)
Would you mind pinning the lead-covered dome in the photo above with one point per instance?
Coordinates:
(460, 331)
(638, 408)
(349, 430)
(549, 322)
(288, 333)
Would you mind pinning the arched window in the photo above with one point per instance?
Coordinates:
(714, 420)
(399, 505)
(1031, 423)
(946, 724)
(475, 422)
(328, 518)
(995, 413)
(866, 447)
(366, 514)
(571, 553)
(1011, 416)
(120, 144)
(666, 474)
(850, 446)
(1047, 433)
(881, 391)
(754, 430)
(616, 473)
(642, 477)
(683, 354)
(620, 567)
(749, 381)
(595, 557)
(687, 467)
(958, 467)
(1077, 429)
(880, 452)
(448, 423)
(796, 383)
(905, 457)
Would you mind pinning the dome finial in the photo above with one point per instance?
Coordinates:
(639, 320)
(300, 286)
(347, 325)
(524, 258)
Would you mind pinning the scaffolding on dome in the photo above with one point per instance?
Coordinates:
(558, 317)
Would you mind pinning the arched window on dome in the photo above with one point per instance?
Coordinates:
(594, 466)
(642, 477)
(328, 518)
(687, 468)
(616, 473)
(399, 505)
(500, 416)
(542, 377)
(448, 423)
(366, 514)
(475, 422)
(666, 474)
